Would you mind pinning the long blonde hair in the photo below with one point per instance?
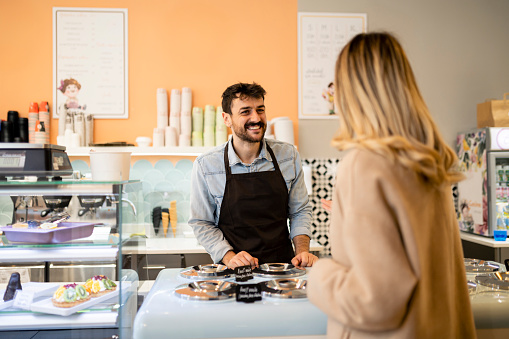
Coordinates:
(380, 108)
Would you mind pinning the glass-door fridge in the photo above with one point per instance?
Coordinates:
(482, 201)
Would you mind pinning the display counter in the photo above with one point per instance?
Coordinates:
(48, 259)
(479, 247)
(164, 314)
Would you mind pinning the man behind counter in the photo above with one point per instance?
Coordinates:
(243, 192)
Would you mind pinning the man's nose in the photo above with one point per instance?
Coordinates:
(254, 117)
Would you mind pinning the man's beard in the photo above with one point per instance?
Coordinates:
(243, 133)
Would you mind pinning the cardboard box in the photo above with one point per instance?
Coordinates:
(493, 113)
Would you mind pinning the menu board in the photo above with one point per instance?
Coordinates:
(90, 61)
(321, 37)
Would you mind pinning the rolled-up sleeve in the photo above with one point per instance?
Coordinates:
(299, 208)
(202, 216)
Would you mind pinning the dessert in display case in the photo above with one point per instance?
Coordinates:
(60, 247)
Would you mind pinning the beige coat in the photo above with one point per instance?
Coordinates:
(397, 266)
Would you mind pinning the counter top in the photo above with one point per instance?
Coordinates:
(59, 254)
(164, 313)
(179, 246)
(479, 239)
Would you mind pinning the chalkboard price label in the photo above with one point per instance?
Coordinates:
(248, 293)
(243, 273)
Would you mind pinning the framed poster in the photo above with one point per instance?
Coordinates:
(90, 61)
(321, 37)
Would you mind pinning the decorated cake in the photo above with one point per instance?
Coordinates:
(70, 295)
(100, 285)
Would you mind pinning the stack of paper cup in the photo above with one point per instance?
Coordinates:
(197, 135)
(184, 140)
(33, 117)
(170, 136)
(186, 102)
(158, 137)
(186, 120)
(221, 131)
(175, 109)
(162, 108)
(209, 124)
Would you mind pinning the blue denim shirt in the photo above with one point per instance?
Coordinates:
(207, 189)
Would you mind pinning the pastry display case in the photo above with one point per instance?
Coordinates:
(64, 246)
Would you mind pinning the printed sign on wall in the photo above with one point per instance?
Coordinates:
(321, 37)
(90, 61)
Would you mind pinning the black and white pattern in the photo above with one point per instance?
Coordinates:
(323, 175)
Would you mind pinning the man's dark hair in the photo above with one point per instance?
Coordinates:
(241, 91)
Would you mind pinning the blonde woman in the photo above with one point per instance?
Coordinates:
(397, 266)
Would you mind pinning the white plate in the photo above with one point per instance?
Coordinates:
(46, 306)
(5, 304)
(38, 289)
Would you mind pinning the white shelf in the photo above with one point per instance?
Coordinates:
(478, 239)
(140, 151)
(92, 253)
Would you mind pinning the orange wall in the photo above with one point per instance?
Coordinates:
(203, 44)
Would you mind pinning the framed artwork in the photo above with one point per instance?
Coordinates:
(321, 37)
(90, 62)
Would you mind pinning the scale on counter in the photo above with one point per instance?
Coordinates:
(44, 161)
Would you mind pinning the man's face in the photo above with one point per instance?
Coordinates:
(247, 121)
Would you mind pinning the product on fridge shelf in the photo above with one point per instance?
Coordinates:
(70, 295)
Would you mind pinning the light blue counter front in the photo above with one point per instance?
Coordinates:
(163, 315)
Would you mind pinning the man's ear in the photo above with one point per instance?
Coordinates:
(227, 118)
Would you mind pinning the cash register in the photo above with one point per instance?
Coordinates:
(46, 162)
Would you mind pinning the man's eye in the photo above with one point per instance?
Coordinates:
(244, 112)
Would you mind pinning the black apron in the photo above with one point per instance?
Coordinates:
(254, 213)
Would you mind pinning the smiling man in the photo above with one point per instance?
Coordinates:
(244, 192)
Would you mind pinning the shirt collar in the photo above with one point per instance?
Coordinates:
(234, 159)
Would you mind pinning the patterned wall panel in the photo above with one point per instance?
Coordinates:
(323, 174)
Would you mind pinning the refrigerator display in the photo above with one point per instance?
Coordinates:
(482, 204)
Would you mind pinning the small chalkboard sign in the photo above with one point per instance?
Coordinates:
(243, 273)
(248, 293)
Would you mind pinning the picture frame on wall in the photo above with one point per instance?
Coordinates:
(321, 37)
(90, 62)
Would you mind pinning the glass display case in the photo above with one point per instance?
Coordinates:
(56, 234)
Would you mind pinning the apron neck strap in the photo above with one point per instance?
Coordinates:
(227, 162)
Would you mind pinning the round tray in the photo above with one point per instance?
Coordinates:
(206, 290)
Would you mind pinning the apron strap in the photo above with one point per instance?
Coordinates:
(274, 160)
(227, 163)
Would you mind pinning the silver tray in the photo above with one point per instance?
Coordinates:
(210, 271)
(206, 290)
(278, 270)
(285, 288)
